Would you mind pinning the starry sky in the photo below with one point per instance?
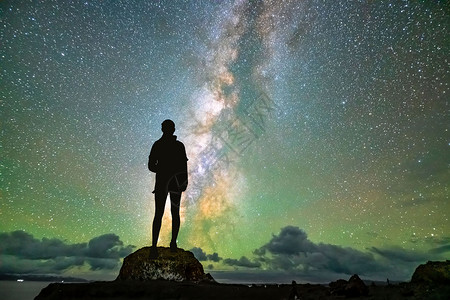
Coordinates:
(316, 131)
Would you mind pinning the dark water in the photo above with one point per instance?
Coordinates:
(27, 290)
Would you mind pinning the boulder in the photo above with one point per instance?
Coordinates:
(354, 287)
(433, 272)
(178, 265)
(338, 287)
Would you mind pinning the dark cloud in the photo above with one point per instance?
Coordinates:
(292, 250)
(199, 254)
(30, 255)
(397, 254)
(103, 263)
(440, 250)
(61, 263)
(202, 256)
(214, 257)
(24, 245)
(290, 254)
(291, 240)
(242, 262)
(107, 246)
(400, 254)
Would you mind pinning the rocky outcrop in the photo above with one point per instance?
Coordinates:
(354, 287)
(166, 289)
(137, 281)
(433, 272)
(178, 265)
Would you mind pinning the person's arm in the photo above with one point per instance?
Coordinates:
(185, 180)
(153, 160)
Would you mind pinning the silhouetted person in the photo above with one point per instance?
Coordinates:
(168, 160)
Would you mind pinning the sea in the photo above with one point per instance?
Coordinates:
(26, 290)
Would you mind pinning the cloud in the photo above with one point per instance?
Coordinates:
(291, 250)
(24, 245)
(23, 253)
(214, 257)
(290, 254)
(440, 250)
(202, 256)
(103, 263)
(242, 262)
(291, 240)
(107, 246)
(400, 255)
(199, 254)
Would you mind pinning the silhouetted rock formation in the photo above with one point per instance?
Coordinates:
(166, 289)
(136, 281)
(178, 265)
(354, 287)
(433, 272)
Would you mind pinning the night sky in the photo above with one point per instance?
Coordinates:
(316, 132)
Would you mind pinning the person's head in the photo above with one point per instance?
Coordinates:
(168, 127)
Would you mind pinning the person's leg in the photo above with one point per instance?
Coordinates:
(175, 211)
(160, 203)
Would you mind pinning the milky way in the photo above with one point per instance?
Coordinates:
(328, 116)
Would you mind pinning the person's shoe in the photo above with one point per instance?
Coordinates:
(153, 252)
(173, 246)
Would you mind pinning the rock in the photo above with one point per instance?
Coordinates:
(433, 272)
(338, 287)
(354, 287)
(165, 289)
(179, 265)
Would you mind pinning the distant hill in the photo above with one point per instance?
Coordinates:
(40, 277)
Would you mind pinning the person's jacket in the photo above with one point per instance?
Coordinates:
(169, 161)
